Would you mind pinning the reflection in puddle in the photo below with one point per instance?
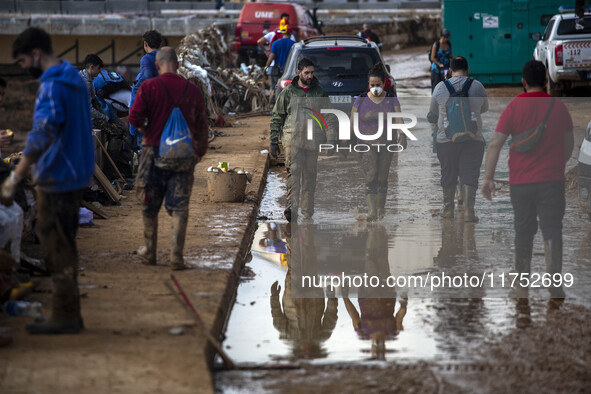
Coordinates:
(276, 320)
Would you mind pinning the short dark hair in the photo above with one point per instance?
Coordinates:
(32, 38)
(377, 71)
(459, 63)
(93, 60)
(153, 38)
(534, 73)
(2, 83)
(305, 63)
(284, 15)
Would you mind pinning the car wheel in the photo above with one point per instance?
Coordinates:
(553, 88)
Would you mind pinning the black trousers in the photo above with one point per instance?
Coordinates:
(532, 201)
(462, 159)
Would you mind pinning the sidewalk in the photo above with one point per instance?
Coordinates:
(127, 310)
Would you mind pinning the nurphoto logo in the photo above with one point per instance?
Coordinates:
(395, 124)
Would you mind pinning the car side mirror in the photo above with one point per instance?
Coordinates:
(536, 36)
(388, 67)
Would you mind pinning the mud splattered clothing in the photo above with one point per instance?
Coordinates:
(57, 217)
(157, 186)
(376, 163)
(301, 154)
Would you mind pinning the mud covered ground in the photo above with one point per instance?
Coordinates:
(128, 312)
(551, 355)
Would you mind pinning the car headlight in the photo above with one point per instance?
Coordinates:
(588, 132)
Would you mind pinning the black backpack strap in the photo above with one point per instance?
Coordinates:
(467, 85)
(169, 95)
(450, 88)
(183, 95)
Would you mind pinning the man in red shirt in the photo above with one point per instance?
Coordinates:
(536, 177)
(153, 105)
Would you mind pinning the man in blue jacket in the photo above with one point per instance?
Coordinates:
(60, 145)
(152, 42)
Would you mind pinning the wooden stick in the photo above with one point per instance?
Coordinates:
(105, 184)
(187, 303)
(108, 156)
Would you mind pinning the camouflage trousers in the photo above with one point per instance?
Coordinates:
(155, 186)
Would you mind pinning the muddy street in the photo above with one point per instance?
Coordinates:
(437, 340)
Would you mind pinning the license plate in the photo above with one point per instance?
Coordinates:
(340, 99)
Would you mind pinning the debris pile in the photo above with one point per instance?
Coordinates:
(205, 59)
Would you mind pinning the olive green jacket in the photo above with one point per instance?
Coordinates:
(289, 115)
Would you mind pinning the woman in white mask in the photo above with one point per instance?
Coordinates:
(371, 109)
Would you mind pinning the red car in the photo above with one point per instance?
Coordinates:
(257, 19)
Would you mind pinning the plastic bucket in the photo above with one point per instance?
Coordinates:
(226, 186)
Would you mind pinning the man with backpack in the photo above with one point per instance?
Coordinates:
(170, 111)
(456, 105)
(542, 141)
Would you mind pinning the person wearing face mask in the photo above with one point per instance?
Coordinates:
(61, 146)
(376, 162)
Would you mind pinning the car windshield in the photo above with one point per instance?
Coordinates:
(567, 27)
(342, 63)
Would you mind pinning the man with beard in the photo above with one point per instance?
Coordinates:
(62, 149)
(300, 158)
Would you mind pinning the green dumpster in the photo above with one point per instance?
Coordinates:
(495, 35)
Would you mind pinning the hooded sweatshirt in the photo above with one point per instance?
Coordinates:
(61, 142)
(147, 70)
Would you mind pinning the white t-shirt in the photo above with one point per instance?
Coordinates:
(269, 37)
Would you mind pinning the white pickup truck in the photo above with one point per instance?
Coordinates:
(566, 52)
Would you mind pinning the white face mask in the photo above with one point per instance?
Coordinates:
(376, 91)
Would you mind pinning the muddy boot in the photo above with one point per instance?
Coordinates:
(460, 197)
(522, 265)
(148, 252)
(469, 202)
(381, 204)
(65, 317)
(553, 255)
(177, 240)
(372, 207)
(448, 202)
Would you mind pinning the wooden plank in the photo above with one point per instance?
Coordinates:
(105, 184)
(99, 212)
(108, 157)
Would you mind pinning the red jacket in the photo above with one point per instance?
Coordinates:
(153, 103)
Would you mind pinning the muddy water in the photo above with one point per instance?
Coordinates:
(276, 323)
